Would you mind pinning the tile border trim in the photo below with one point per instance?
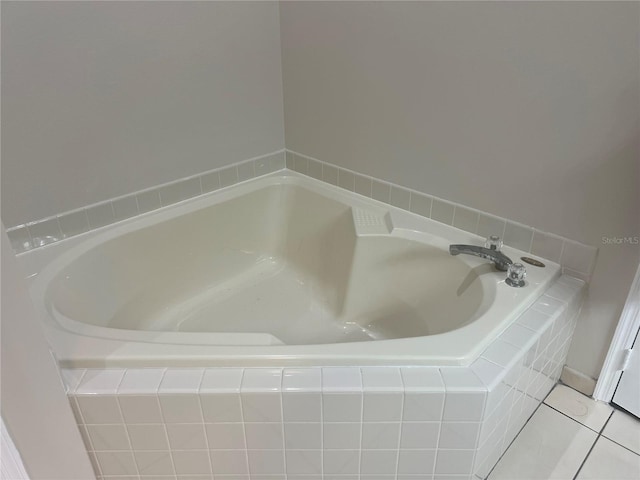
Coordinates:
(577, 259)
(36, 234)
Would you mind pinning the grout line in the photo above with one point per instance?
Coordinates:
(584, 460)
(612, 440)
(126, 429)
(321, 393)
(284, 449)
(164, 423)
(402, 422)
(362, 393)
(440, 422)
(619, 444)
(579, 423)
(204, 431)
(244, 424)
(514, 439)
(533, 233)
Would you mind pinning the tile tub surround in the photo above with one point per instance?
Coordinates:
(333, 423)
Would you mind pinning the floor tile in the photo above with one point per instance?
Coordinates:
(624, 429)
(551, 446)
(610, 461)
(579, 407)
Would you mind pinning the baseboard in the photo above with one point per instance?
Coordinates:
(578, 381)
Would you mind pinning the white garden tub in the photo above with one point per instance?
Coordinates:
(280, 270)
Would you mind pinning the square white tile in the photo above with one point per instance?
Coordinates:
(380, 436)
(420, 435)
(108, 437)
(416, 462)
(262, 380)
(116, 463)
(302, 380)
(266, 462)
(488, 372)
(224, 407)
(230, 462)
(263, 436)
(518, 335)
(71, 377)
(192, 462)
(186, 437)
(100, 382)
(341, 462)
(341, 379)
(610, 461)
(225, 436)
(302, 407)
(216, 380)
(378, 461)
(381, 379)
(550, 446)
(624, 429)
(463, 407)
(459, 435)
(303, 436)
(422, 379)
(148, 437)
(341, 436)
(460, 379)
(154, 463)
(382, 407)
(341, 407)
(261, 407)
(99, 409)
(181, 380)
(501, 353)
(181, 408)
(533, 319)
(141, 381)
(140, 409)
(454, 462)
(304, 462)
(548, 305)
(581, 408)
(422, 407)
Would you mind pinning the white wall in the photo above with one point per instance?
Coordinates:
(530, 111)
(34, 405)
(100, 99)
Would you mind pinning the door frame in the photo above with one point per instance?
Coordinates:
(623, 339)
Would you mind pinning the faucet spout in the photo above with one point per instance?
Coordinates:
(500, 260)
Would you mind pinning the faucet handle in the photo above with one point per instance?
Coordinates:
(493, 242)
(515, 275)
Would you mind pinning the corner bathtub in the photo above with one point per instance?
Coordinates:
(279, 270)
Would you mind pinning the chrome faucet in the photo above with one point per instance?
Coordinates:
(491, 251)
(500, 260)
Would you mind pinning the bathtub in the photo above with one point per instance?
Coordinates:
(282, 270)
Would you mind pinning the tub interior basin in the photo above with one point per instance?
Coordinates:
(283, 261)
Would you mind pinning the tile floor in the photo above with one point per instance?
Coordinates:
(573, 437)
